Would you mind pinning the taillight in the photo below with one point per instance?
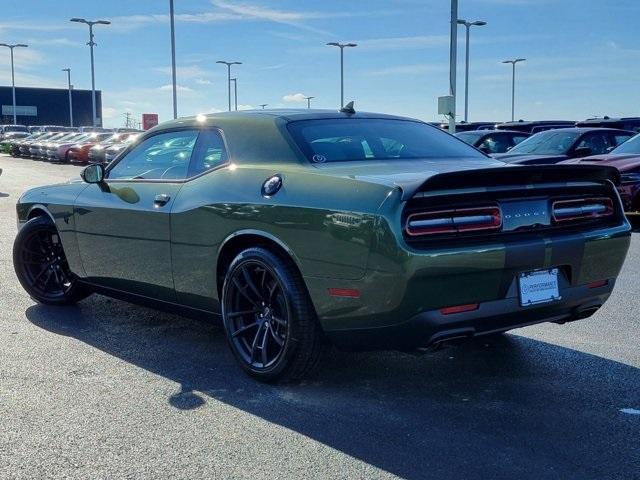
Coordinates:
(581, 209)
(457, 220)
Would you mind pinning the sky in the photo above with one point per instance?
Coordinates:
(582, 56)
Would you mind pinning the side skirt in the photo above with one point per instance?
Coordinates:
(162, 305)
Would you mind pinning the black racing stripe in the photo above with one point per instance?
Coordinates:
(522, 257)
(568, 251)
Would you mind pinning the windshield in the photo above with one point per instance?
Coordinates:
(551, 142)
(630, 146)
(470, 137)
(353, 139)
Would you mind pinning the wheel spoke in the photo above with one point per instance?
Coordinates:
(274, 335)
(242, 313)
(244, 293)
(263, 347)
(279, 321)
(250, 283)
(254, 346)
(242, 330)
(44, 269)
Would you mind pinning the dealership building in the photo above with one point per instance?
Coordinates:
(49, 106)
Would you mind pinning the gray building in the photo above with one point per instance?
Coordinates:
(48, 106)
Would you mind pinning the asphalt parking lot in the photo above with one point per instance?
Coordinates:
(111, 390)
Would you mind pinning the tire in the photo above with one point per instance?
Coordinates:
(41, 265)
(269, 321)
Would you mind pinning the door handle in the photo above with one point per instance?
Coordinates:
(161, 200)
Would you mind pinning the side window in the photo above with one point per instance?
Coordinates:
(495, 143)
(517, 139)
(209, 153)
(595, 141)
(164, 156)
(617, 139)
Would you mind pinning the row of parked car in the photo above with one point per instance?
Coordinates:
(583, 143)
(87, 146)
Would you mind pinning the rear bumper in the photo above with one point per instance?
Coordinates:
(432, 327)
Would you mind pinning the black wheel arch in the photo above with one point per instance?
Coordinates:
(244, 239)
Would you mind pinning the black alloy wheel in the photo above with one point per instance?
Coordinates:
(41, 265)
(268, 318)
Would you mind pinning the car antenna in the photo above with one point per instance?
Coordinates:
(348, 108)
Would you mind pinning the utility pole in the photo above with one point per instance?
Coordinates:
(13, 80)
(342, 46)
(453, 58)
(68, 70)
(513, 85)
(228, 64)
(308, 99)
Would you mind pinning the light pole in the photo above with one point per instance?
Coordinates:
(513, 85)
(235, 93)
(263, 105)
(342, 46)
(91, 44)
(68, 70)
(228, 64)
(308, 99)
(173, 61)
(468, 25)
(13, 80)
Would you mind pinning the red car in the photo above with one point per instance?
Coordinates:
(79, 153)
(626, 158)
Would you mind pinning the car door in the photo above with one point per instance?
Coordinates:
(123, 224)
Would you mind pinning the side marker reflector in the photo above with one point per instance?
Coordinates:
(344, 292)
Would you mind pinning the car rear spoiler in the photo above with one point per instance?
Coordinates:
(512, 176)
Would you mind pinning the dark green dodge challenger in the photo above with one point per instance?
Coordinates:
(306, 227)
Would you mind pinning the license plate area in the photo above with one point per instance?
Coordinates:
(537, 287)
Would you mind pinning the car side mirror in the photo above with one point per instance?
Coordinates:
(485, 149)
(582, 152)
(609, 149)
(93, 173)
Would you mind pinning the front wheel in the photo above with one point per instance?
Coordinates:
(268, 318)
(41, 265)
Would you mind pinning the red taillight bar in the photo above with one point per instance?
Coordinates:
(459, 309)
(457, 220)
(581, 209)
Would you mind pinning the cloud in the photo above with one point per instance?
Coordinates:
(179, 88)
(109, 113)
(188, 71)
(245, 107)
(295, 97)
(203, 81)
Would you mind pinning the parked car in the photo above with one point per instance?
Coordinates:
(624, 123)
(38, 149)
(369, 230)
(13, 128)
(493, 141)
(94, 151)
(535, 126)
(111, 146)
(8, 139)
(91, 129)
(553, 146)
(17, 144)
(469, 126)
(79, 152)
(625, 158)
(57, 150)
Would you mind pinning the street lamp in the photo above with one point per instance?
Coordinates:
(513, 85)
(173, 61)
(68, 70)
(13, 80)
(228, 64)
(263, 105)
(468, 25)
(308, 99)
(235, 93)
(342, 46)
(91, 44)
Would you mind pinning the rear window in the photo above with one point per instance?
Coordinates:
(353, 139)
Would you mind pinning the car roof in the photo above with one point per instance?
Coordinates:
(286, 115)
(588, 129)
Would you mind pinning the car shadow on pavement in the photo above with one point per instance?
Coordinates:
(507, 408)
